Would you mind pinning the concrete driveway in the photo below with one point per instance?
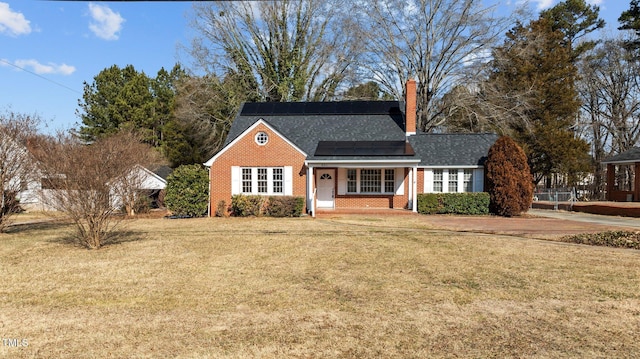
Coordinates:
(610, 221)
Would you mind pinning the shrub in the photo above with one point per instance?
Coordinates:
(287, 206)
(221, 209)
(187, 191)
(274, 206)
(142, 204)
(454, 203)
(509, 180)
(618, 239)
(247, 205)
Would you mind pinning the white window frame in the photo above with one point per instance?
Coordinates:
(382, 181)
(438, 179)
(283, 179)
(467, 184)
(453, 180)
(474, 183)
(277, 177)
(261, 138)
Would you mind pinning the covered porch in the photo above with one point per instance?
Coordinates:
(623, 176)
(356, 186)
(344, 175)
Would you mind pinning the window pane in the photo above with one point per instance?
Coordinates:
(437, 180)
(352, 184)
(246, 180)
(468, 180)
(262, 180)
(389, 181)
(370, 181)
(453, 180)
(278, 180)
(262, 138)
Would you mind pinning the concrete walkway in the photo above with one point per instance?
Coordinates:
(616, 221)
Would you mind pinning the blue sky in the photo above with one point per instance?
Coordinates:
(49, 48)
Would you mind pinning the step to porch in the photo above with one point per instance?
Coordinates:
(324, 212)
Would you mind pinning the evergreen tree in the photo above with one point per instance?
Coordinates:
(126, 99)
(533, 61)
(575, 19)
(630, 20)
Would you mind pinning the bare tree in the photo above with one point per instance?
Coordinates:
(128, 189)
(287, 50)
(205, 109)
(433, 41)
(81, 180)
(17, 169)
(610, 90)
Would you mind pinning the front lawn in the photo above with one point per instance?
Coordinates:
(313, 288)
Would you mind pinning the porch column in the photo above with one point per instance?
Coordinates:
(636, 182)
(209, 196)
(414, 189)
(310, 197)
(611, 179)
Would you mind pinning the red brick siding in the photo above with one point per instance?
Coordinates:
(420, 179)
(247, 153)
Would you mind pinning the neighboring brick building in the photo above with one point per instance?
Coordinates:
(356, 154)
(623, 176)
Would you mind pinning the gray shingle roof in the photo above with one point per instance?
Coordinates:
(630, 156)
(452, 149)
(305, 131)
(365, 121)
(163, 172)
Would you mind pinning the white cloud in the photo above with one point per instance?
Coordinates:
(543, 4)
(480, 56)
(106, 24)
(13, 23)
(41, 69)
(539, 4)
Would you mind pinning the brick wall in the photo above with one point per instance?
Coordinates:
(247, 153)
(420, 179)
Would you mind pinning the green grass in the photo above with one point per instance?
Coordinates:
(341, 288)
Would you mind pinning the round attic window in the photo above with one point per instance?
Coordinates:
(262, 138)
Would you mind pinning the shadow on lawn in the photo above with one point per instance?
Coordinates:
(37, 226)
(113, 238)
(64, 232)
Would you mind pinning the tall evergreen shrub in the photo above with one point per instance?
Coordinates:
(509, 180)
(187, 191)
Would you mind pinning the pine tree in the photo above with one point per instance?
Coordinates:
(124, 98)
(630, 20)
(534, 62)
(575, 19)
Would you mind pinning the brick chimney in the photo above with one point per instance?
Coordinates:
(410, 110)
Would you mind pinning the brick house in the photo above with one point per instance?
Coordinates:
(356, 154)
(623, 176)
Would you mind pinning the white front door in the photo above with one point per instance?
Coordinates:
(325, 184)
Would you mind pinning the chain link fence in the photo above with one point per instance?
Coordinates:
(556, 195)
